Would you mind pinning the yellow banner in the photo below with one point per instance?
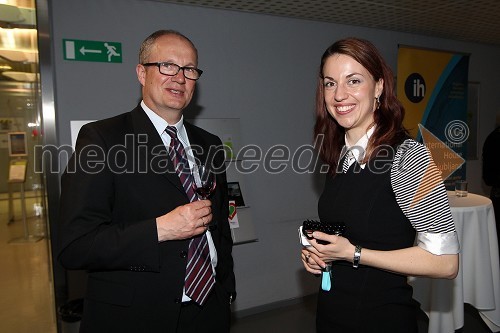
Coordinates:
(413, 65)
(432, 86)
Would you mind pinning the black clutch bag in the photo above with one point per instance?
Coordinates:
(309, 226)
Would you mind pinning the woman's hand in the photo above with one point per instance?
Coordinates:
(318, 255)
(311, 261)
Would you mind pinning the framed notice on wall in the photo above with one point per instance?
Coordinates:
(17, 144)
(234, 193)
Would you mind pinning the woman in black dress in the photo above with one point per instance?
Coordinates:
(385, 188)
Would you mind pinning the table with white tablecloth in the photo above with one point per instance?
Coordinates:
(478, 279)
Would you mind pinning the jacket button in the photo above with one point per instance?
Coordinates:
(184, 254)
(177, 300)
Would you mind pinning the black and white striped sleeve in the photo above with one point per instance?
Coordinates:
(421, 195)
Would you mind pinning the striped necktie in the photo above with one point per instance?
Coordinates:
(199, 279)
(347, 158)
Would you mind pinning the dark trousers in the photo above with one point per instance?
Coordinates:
(213, 317)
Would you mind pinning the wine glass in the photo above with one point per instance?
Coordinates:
(204, 181)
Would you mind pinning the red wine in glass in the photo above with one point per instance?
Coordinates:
(203, 192)
(204, 181)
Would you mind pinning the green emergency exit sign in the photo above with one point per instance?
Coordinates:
(89, 50)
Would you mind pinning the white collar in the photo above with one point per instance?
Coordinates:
(359, 148)
(161, 124)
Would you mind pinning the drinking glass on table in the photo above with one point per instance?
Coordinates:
(461, 188)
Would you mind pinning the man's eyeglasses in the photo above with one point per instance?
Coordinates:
(171, 69)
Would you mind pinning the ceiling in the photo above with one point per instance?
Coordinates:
(465, 20)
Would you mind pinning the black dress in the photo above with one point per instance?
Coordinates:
(366, 299)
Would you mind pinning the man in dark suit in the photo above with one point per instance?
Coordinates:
(127, 218)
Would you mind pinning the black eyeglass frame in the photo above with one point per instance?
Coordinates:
(159, 64)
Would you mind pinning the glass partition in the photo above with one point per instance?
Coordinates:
(27, 288)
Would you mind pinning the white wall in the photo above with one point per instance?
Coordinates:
(260, 69)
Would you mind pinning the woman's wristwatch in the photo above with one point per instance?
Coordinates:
(357, 256)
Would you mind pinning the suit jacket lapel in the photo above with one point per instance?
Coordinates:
(156, 155)
(197, 142)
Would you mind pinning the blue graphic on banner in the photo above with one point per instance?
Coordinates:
(446, 112)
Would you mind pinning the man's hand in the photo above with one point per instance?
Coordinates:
(185, 221)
